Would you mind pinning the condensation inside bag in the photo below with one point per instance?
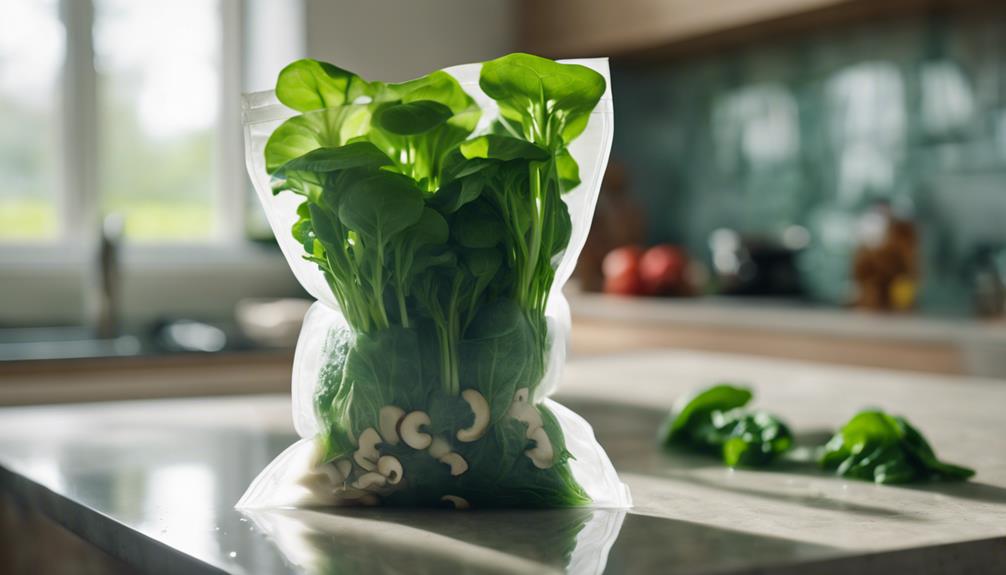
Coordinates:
(408, 457)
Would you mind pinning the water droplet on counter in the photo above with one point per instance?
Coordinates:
(243, 519)
(232, 554)
(216, 529)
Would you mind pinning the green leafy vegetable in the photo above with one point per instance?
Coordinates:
(323, 128)
(411, 118)
(307, 85)
(875, 446)
(689, 412)
(440, 246)
(753, 438)
(326, 160)
(493, 147)
(547, 102)
(715, 420)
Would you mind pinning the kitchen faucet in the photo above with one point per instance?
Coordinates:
(106, 293)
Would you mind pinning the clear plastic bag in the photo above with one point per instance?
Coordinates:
(441, 397)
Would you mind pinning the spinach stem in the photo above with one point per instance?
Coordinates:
(378, 287)
(403, 311)
(445, 356)
(453, 336)
(534, 244)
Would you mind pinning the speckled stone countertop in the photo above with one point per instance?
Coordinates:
(154, 483)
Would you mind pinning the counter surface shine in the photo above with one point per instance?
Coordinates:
(154, 483)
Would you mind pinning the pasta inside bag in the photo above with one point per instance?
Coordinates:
(435, 221)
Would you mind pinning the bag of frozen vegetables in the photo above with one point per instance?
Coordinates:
(435, 221)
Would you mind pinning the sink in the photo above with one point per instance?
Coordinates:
(68, 342)
(164, 337)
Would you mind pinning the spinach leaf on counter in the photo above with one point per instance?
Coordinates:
(753, 438)
(716, 421)
(691, 412)
(875, 446)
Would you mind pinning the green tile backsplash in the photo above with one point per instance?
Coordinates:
(814, 130)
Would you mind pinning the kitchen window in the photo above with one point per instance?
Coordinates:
(32, 45)
(158, 137)
(130, 108)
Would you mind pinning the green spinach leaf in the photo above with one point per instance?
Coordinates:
(411, 118)
(548, 102)
(875, 446)
(690, 411)
(330, 127)
(307, 85)
(753, 438)
(717, 421)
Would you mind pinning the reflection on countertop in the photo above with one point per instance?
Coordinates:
(524, 541)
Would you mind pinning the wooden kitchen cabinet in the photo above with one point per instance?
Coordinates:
(572, 28)
(144, 377)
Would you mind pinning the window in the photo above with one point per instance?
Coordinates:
(32, 45)
(133, 107)
(158, 84)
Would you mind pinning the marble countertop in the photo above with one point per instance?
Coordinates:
(154, 483)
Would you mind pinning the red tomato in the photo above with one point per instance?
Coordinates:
(662, 269)
(621, 271)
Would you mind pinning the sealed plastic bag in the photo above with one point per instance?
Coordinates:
(435, 221)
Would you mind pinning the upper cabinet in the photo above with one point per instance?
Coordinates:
(570, 28)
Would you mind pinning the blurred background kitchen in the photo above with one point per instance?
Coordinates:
(822, 180)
